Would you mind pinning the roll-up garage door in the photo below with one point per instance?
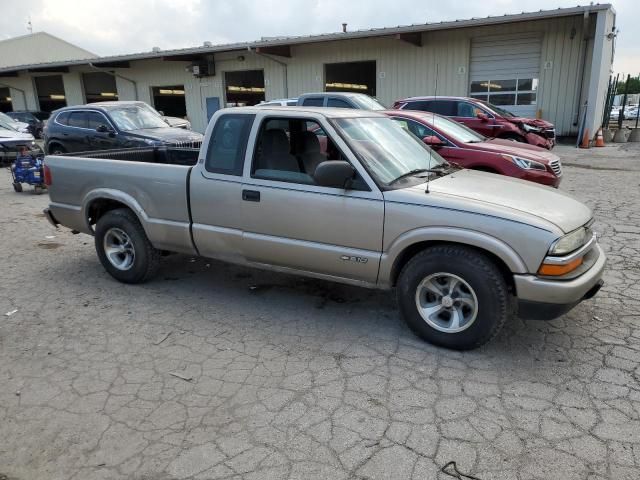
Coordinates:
(505, 70)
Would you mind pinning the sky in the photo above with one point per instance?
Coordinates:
(126, 26)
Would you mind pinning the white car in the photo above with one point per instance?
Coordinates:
(9, 123)
(11, 141)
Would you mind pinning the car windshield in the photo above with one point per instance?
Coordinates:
(22, 117)
(366, 102)
(387, 149)
(500, 111)
(7, 122)
(457, 131)
(136, 118)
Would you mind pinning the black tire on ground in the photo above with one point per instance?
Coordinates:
(17, 186)
(479, 272)
(146, 258)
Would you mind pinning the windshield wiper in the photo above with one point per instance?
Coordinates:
(414, 172)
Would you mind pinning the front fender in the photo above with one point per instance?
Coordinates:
(473, 238)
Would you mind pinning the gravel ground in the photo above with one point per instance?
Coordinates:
(214, 371)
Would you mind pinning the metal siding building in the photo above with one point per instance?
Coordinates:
(568, 52)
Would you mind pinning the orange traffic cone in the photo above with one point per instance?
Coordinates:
(585, 139)
(599, 138)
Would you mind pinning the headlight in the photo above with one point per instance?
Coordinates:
(571, 241)
(530, 128)
(525, 163)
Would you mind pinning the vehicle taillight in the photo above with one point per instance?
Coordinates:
(47, 175)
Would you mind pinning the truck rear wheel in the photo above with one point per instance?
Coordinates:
(123, 247)
(453, 296)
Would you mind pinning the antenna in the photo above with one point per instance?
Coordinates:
(29, 25)
(435, 95)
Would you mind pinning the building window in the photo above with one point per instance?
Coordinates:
(516, 91)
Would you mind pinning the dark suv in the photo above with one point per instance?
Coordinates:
(105, 127)
(485, 118)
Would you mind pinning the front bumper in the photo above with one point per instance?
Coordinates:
(545, 299)
(541, 177)
(539, 141)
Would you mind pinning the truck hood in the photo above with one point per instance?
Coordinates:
(499, 195)
(168, 134)
(530, 152)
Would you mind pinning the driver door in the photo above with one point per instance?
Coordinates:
(293, 223)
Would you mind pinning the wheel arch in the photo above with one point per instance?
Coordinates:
(54, 141)
(403, 249)
(99, 202)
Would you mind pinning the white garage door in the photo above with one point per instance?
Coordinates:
(505, 70)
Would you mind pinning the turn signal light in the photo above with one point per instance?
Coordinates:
(558, 270)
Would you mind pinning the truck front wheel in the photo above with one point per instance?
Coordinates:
(453, 296)
(123, 247)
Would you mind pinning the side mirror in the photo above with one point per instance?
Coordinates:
(102, 129)
(334, 173)
(483, 117)
(433, 141)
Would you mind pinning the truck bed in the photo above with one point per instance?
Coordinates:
(164, 155)
(153, 182)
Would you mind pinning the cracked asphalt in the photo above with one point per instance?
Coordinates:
(215, 371)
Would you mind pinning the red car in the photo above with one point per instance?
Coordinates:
(486, 119)
(459, 144)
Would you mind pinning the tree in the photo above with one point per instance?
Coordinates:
(634, 86)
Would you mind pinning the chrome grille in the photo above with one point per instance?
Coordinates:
(556, 167)
(185, 144)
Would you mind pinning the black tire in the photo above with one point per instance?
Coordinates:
(146, 258)
(56, 149)
(17, 186)
(479, 272)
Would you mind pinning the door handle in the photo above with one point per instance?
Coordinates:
(251, 195)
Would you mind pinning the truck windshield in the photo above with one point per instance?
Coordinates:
(135, 118)
(388, 150)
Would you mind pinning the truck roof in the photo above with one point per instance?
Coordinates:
(329, 112)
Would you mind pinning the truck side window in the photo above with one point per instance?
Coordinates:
(289, 150)
(337, 103)
(225, 153)
(313, 102)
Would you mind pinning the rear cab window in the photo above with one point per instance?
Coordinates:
(228, 143)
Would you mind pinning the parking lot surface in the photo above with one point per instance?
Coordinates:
(216, 371)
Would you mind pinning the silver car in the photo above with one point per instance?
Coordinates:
(343, 195)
